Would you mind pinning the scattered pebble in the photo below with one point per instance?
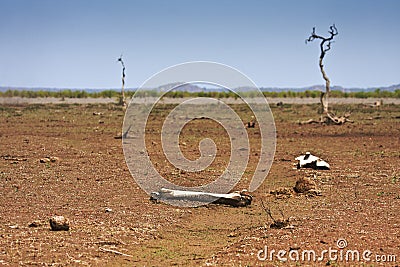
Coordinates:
(15, 226)
(282, 192)
(304, 185)
(307, 186)
(34, 224)
(59, 223)
(44, 160)
(232, 234)
(49, 159)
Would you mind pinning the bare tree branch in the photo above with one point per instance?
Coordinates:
(325, 46)
(326, 42)
(277, 223)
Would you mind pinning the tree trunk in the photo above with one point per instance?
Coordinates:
(324, 95)
(122, 100)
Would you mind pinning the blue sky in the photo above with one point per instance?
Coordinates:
(75, 44)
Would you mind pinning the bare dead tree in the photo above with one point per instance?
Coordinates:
(122, 101)
(325, 46)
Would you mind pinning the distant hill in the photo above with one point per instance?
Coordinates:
(391, 88)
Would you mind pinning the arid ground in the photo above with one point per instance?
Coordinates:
(113, 222)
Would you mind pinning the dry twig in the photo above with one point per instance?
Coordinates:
(277, 223)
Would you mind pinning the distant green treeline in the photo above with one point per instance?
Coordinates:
(179, 94)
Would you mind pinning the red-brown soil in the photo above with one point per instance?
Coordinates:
(113, 223)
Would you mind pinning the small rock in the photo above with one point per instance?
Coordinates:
(15, 226)
(59, 223)
(304, 185)
(282, 192)
(232, 234)
(44, 160)
(314, 192)
(54, 159)
(49, 159)
(281, 223)
(109, 210)
(251, 124)
(34, 224)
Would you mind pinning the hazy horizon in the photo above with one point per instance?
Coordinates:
(75, 44)
(294, 88)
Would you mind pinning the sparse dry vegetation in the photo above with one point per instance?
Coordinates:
(68, 93)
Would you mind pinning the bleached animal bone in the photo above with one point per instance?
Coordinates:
(311, 161)
(235, 199)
